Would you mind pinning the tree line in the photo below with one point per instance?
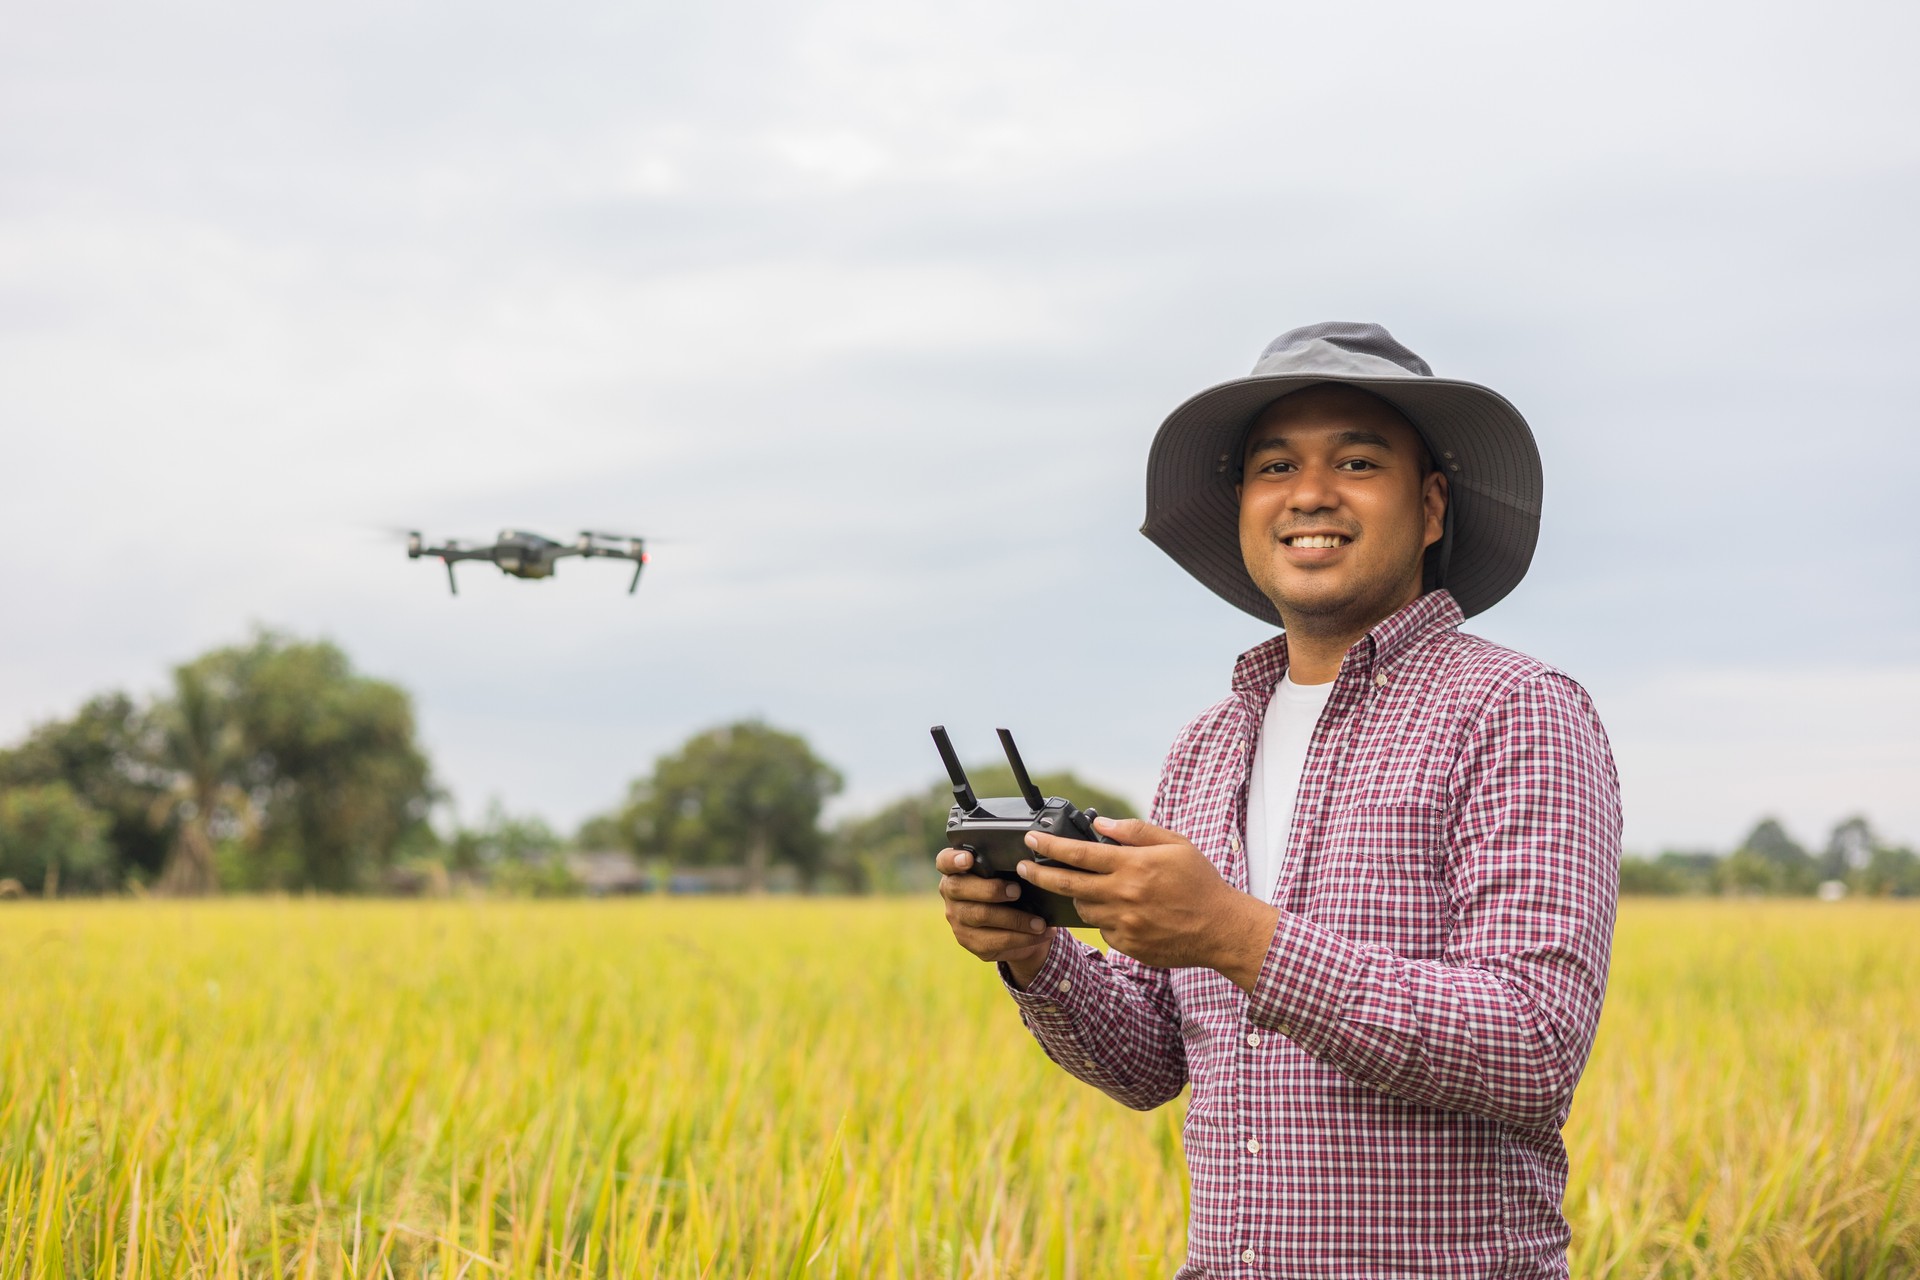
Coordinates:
(274, 765)
(1854, 860)
(267, 765)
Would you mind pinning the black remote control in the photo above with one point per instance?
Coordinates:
(995, 830)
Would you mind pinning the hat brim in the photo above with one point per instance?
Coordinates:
(1479, 440)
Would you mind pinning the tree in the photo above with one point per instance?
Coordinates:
(104, 755)
(199, 739)
(601, 832)
(329, 759)
(500, 839)
(1771, 861)
(1890, 872)
(742, 794)
(1642, 876)
(1849, 848)
(50, 836)
(893, 848)
(1696, 870)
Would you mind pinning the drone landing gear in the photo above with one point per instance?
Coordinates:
(634, 586)
(453, 588)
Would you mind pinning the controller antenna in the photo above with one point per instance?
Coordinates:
(962, 789)
(1035, 801)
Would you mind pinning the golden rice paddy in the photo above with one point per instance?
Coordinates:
(777, 1088)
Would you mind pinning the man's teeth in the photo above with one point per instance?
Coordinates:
(1317, 540)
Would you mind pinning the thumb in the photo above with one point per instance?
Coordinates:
(1134, 831)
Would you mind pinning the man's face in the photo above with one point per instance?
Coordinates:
(1335, 511)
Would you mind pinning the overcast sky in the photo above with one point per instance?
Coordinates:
(868, 312)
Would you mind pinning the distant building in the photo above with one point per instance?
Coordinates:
(605, 873)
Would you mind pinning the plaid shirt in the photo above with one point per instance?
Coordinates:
(1388, 1100)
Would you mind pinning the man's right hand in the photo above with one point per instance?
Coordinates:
(984, 919)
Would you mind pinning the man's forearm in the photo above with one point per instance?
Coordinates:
(1104, 1019)
(1462, 1037)
(1242, 941)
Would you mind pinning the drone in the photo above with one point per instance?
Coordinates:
(531, 555)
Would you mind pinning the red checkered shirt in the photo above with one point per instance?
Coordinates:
(1388, 1100)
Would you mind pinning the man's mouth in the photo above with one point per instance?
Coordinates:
(1317, 541)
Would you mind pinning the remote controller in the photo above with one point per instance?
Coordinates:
(994, 830)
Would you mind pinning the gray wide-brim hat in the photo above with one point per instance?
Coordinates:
(1478, 440)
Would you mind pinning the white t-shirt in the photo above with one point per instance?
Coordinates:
(1278, 761)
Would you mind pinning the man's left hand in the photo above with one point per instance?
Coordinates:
(1156, 898)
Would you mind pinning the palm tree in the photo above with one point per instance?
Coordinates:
(200, 745)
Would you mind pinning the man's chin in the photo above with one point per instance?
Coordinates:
(1333, 605)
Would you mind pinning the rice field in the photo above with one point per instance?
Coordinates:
(781, 1088)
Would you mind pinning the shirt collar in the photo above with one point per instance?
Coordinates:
(1260, 668)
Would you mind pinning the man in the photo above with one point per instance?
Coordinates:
(1369, 921)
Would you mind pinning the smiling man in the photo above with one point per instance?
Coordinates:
(1369, 921)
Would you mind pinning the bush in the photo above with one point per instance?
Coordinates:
(1642, 876)
(50, 837)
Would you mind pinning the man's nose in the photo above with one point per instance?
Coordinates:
(1313, 489)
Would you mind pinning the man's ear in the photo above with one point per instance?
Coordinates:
(1434, 497)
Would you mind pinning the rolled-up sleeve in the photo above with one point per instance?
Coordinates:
(1105, 1017)
(1108, 1020)
(1501, 1024)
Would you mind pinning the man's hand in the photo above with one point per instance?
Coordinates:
(984, 921)
(1158, 899)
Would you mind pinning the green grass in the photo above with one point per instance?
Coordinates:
(826, 1088)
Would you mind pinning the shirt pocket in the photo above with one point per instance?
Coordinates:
(1378, 882)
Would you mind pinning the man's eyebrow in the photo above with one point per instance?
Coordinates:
(1267, 444)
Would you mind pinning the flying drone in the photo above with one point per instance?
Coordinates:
(530, 555)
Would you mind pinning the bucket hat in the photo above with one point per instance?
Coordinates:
(1478, 440)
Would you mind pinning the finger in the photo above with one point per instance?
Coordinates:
(1084, 854)
(982, 915)
(953, 862)
(1066, 882)
(978, 889)
(1135, 832)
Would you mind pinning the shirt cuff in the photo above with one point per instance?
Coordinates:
(1053, 988)
(1305, 982)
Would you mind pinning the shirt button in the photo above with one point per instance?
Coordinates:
(1065, 985)
(1253, 1039)
(1088, 1064)
(1248, 1256)
(1253, 1146)
(1380, 681)
(1234, 844)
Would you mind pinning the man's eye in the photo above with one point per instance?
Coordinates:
(1278, 466)
(1357, 464)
